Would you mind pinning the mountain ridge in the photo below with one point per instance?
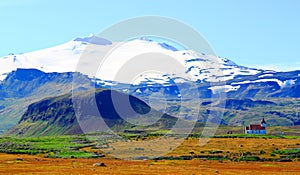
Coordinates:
(30, 77)
(281, 108)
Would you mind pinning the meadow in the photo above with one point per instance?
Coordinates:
(34, 164)
(223, 154)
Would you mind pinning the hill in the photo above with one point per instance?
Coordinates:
(57, 116)
(25, 86)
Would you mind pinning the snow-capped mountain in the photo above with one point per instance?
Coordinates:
(30, 77)
(65, 57)
(82, 55)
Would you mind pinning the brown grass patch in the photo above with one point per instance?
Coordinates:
(39, 165)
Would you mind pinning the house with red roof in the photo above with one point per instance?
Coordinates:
(256, 128)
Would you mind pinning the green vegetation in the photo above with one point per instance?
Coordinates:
(249, 158)
(288, 153)
(53, 147)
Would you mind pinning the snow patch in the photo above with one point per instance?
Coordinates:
(265, 75)
(225, 88)
(289, 83)
(105, 83)
(280, 83)
(138, 91)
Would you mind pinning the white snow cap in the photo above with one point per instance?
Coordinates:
(64, 58)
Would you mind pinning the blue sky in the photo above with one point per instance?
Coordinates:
(256, 33)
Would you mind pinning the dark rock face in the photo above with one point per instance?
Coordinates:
(94, 40)
(24, 82)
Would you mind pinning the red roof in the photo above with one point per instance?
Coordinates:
(256, 127)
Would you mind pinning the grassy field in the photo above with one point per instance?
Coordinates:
(237, 147)
(234, 147)
(223, 154)
(33, 164)
(243, 148)
(48, 146)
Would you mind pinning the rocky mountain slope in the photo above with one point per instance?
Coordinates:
(56, 115)
(25, 86)
(240, 107)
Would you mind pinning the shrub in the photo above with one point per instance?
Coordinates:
(262, 152)
(249, 158)
(272, 154)
(247, 153)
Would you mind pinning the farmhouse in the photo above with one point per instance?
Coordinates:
(256, 128)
